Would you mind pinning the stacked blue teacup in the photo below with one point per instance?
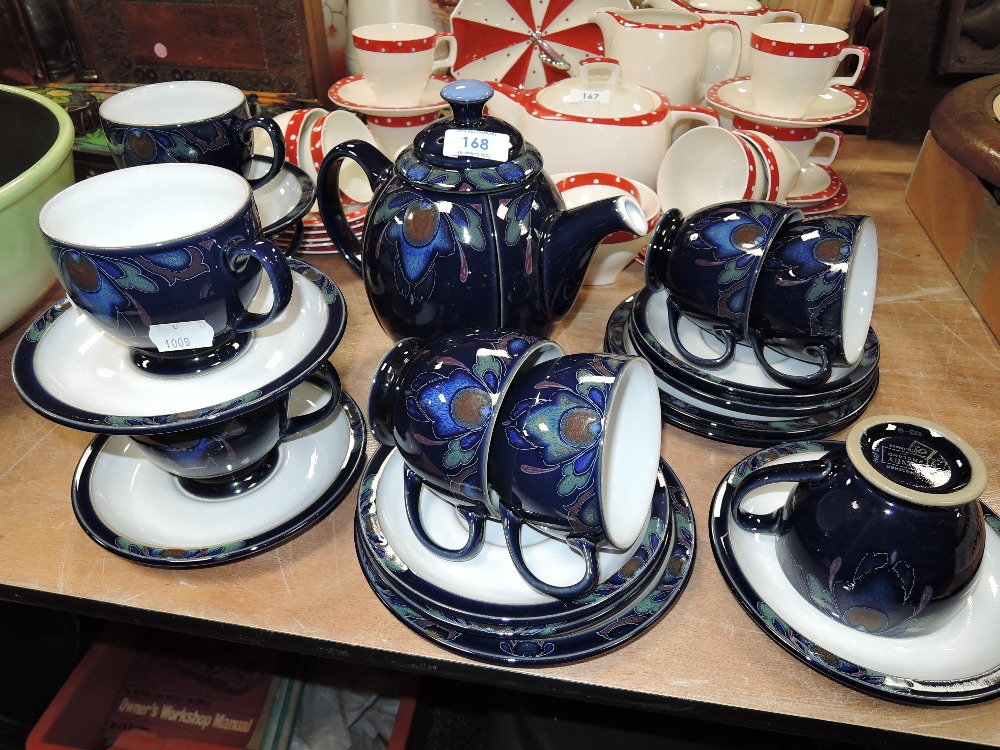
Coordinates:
(756, 321)
(518, 510)
(195, 350)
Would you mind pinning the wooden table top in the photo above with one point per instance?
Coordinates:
(704, 658)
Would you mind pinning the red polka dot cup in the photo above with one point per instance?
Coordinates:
(810, 145)
(792, 63)
(397, 59)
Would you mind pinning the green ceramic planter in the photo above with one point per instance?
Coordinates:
(35, 164)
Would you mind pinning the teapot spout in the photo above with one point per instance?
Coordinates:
(572, 237)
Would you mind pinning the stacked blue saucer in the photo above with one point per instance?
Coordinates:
(482, 607)
(202, 502)
(737, 403)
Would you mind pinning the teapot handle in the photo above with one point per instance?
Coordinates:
(376, 167)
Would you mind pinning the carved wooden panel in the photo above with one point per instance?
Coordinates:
(257, 45)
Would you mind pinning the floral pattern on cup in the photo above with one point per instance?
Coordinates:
(816, 294)
(710, 263)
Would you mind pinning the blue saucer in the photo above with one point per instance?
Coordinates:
(135, 510)
(957, 663)
(520, 644)
(72, 373)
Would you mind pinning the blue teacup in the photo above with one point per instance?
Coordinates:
(436, 401)
(885, 533)
(575, 455)
(203, 122)
(166, 258)
(709, 262)
(232, 456)
(815, 296)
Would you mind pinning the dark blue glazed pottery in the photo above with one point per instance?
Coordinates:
(458, 237)
(176, 246)
(815, 295)
(436, 401)
(709, 262)
(884, 533)
(202, 122)
(575, 454)
(225, 459)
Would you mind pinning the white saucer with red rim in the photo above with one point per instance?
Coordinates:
(836, 104)
(835, 203)
(816, 183)
(355, 94)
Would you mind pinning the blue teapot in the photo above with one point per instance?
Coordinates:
(465, 230)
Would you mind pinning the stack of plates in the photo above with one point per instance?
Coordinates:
(483, 609)
(737, 403)
(315, 238)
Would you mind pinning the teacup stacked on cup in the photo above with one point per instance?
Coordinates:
(403, 67)
(207, 122)
(199, 354)
(519, 493)
(756, 321)
(786, 106)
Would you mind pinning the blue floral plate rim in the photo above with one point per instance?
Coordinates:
(301, 207)
(618, 340)
(233, 550)
(841, 668)
(591, 639)
(54, 408)
(713, 383)
(548, 617)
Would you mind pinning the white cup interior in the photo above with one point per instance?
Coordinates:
(859, 291)
(631, 455)
(705, 165)
(171, 103)
(144, 206)
(394, 32)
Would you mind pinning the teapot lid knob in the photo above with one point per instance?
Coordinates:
(467, 97)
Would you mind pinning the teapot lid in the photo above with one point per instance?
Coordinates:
(598, 95)
(469, 151)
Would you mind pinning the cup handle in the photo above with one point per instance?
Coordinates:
(443, 65)
(324, 375)
(836, 137)
(658, 249)
(412, 484)
(721, 70)
(727, 337)
(799, 471)
(273, 262)
(783, 15)
(270, 127)
(512, 533)
(851, 50)
(820, 376)
(683, 112)
(377, 169)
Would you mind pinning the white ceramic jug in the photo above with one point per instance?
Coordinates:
(747, 14)
(666, 49)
